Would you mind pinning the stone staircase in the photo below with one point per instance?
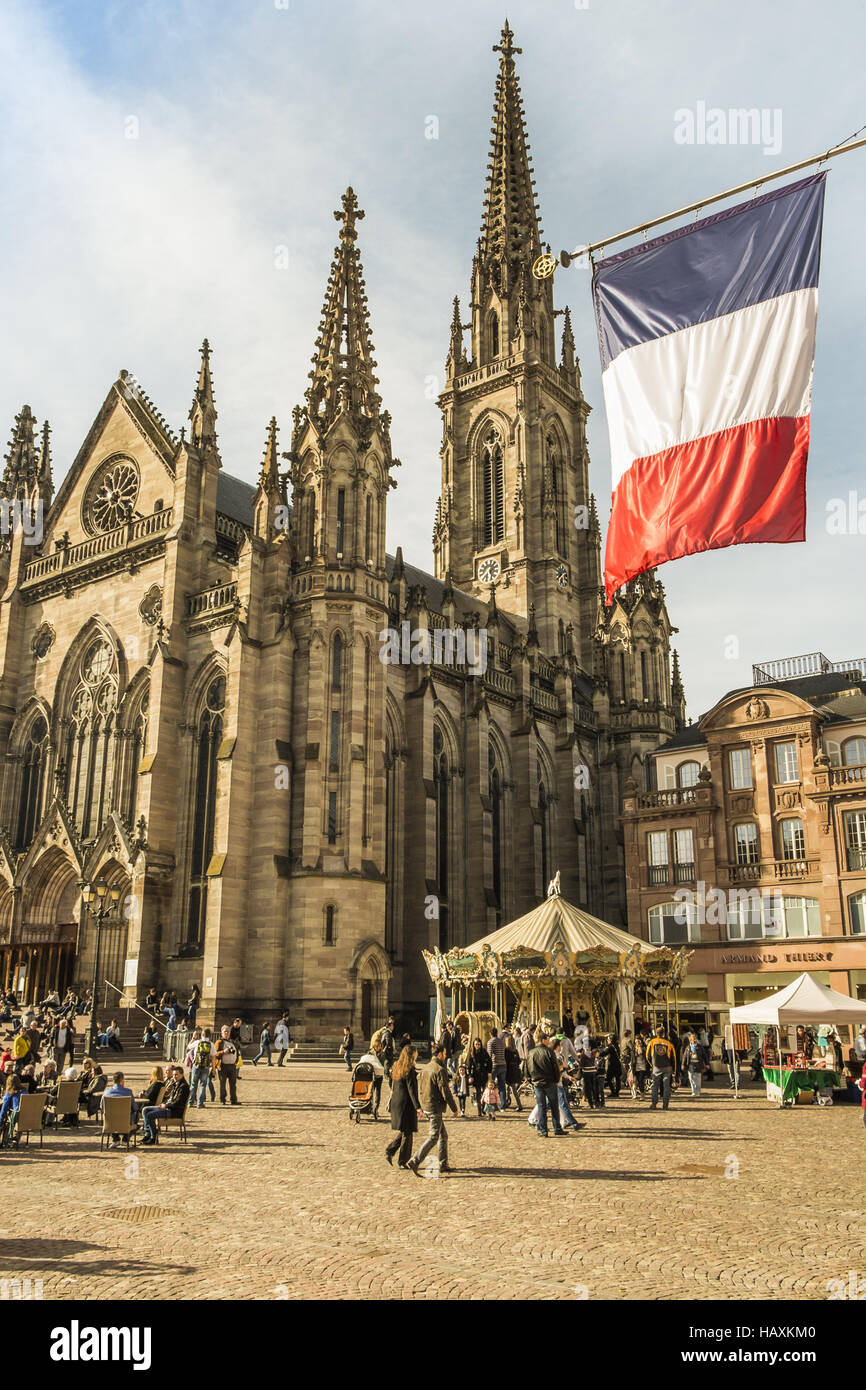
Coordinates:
(314, 1052)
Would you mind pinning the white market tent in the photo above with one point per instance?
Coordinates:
(805, 1000)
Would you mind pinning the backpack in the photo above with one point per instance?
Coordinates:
(661, 1056)
(202, 1054)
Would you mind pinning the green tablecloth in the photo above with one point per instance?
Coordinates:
(808, 1080)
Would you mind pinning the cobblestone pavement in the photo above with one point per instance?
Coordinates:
(284, 1198)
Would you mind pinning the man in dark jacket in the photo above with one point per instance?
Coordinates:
(174, 1099)
(543, 1071)
(435, 1094)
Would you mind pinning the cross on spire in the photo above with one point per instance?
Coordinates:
(506, 44)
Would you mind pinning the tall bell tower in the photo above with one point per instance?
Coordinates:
(515, 508)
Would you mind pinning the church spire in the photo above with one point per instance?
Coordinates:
(342, 377)
(510, 227)
(21, 469)
(269, 473)
(44, 479)
(202, 412)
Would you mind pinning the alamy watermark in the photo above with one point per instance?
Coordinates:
(24, 516)
(737, 126)
(440, 646)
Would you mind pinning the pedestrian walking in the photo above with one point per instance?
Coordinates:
(544, 1074)
(388, 1050)
(513, 1074)
(731, 1060)
(264, 1045)
(347, 1047)
(661, 1054)
(404, 1107)
(588, 1065)
(479, 1066)
(609, 1052)
(201, 1069)
(226, 1057)
(460, 1087)
(496, 1053)
(281, 1040)
(693, 1062)
(490, 1097)
(435, 1095)
(566, 1118)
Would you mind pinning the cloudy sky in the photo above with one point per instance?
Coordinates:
(171, 170)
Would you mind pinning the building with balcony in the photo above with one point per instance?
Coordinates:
(748, 839)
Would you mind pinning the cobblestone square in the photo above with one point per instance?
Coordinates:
(284, 1198)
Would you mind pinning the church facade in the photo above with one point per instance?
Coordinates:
(302, 759)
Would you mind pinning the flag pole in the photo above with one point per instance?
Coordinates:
(566, 257)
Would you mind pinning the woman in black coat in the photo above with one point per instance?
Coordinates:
(404, 1106)
(478, 1068)
(513, 1075)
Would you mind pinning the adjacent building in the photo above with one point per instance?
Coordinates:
(748, 838)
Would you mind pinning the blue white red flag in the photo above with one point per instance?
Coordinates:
(707, 340)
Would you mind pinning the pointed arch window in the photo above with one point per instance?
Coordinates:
(495, 794)
(494, 490)
(310, 525)
(32, 779)
(90, 741)
(137, 743)
(556, 491)
(544, 818)
(368, 529)
(441, 792)
(494, 334)
(337, 662)
(208, 739)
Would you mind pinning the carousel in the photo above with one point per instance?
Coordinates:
(555, 957)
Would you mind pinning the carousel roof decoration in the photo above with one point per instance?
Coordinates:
(558, 942)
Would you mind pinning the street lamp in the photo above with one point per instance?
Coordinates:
(101, 901)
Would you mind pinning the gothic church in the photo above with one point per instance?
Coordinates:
(193, 705)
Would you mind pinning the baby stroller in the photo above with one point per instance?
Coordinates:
(364, 1093)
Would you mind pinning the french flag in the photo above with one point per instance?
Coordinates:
(707, 340)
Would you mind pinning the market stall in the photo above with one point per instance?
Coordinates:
(803, 1003)
(553, 958)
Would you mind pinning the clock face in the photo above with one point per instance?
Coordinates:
(562, 576)
(489, 570)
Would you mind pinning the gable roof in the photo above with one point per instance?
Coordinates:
(235, 498)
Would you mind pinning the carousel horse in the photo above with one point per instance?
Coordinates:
(477, 1025)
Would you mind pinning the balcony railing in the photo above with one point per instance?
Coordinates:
(211, 600)
(678, 796)
(795, 868)
(744, 873)
(856, 860)
(684, 873)
(812, 664)
(121, 538)
(658, 874)
(847, 776)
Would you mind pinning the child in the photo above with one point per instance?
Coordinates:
(490, 1097)
(461, 1089)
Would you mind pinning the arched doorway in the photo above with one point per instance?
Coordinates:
(372, 971)
(41, 954)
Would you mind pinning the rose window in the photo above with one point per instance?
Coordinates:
(111, 496)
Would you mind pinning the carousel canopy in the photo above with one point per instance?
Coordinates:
(556, 922)
(557, 941)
